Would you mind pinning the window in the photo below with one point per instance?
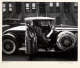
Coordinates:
(10, 7)
(52, 7)
(51, 4)
(57, 7)
(76, 7)
(27, 7)
(33, 6)
(57, 4)
(4, 7)
(75, 4)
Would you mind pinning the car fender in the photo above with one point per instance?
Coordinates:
(9, 34)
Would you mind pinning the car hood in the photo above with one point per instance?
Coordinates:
(66, 29)
(17, 28)
(21, 28)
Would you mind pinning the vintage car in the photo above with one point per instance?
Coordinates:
(39, 34)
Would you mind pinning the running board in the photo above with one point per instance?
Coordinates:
(39, 50)
(22, 49)
(43, 50)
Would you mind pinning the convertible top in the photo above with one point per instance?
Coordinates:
(39, 18)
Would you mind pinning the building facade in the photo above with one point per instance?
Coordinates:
(20, 10)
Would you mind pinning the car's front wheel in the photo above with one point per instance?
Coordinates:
(9, 46)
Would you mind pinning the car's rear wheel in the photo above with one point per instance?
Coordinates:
(9, 46)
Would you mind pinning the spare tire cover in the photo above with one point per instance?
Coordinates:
(66, 40)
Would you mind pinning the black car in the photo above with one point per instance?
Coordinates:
(39, 34)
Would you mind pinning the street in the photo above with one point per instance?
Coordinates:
(21, 56)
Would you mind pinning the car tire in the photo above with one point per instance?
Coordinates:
(66, 41)
(9, 46)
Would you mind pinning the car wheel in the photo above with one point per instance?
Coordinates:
(66, 41)
(9, 46)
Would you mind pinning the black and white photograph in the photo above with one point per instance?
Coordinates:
(39, 31)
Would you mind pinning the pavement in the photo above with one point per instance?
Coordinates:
(42, 56)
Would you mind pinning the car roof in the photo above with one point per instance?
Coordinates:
(39, 18)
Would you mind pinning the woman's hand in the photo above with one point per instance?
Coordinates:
(49, 34)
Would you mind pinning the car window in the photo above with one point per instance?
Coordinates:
(43, 22)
